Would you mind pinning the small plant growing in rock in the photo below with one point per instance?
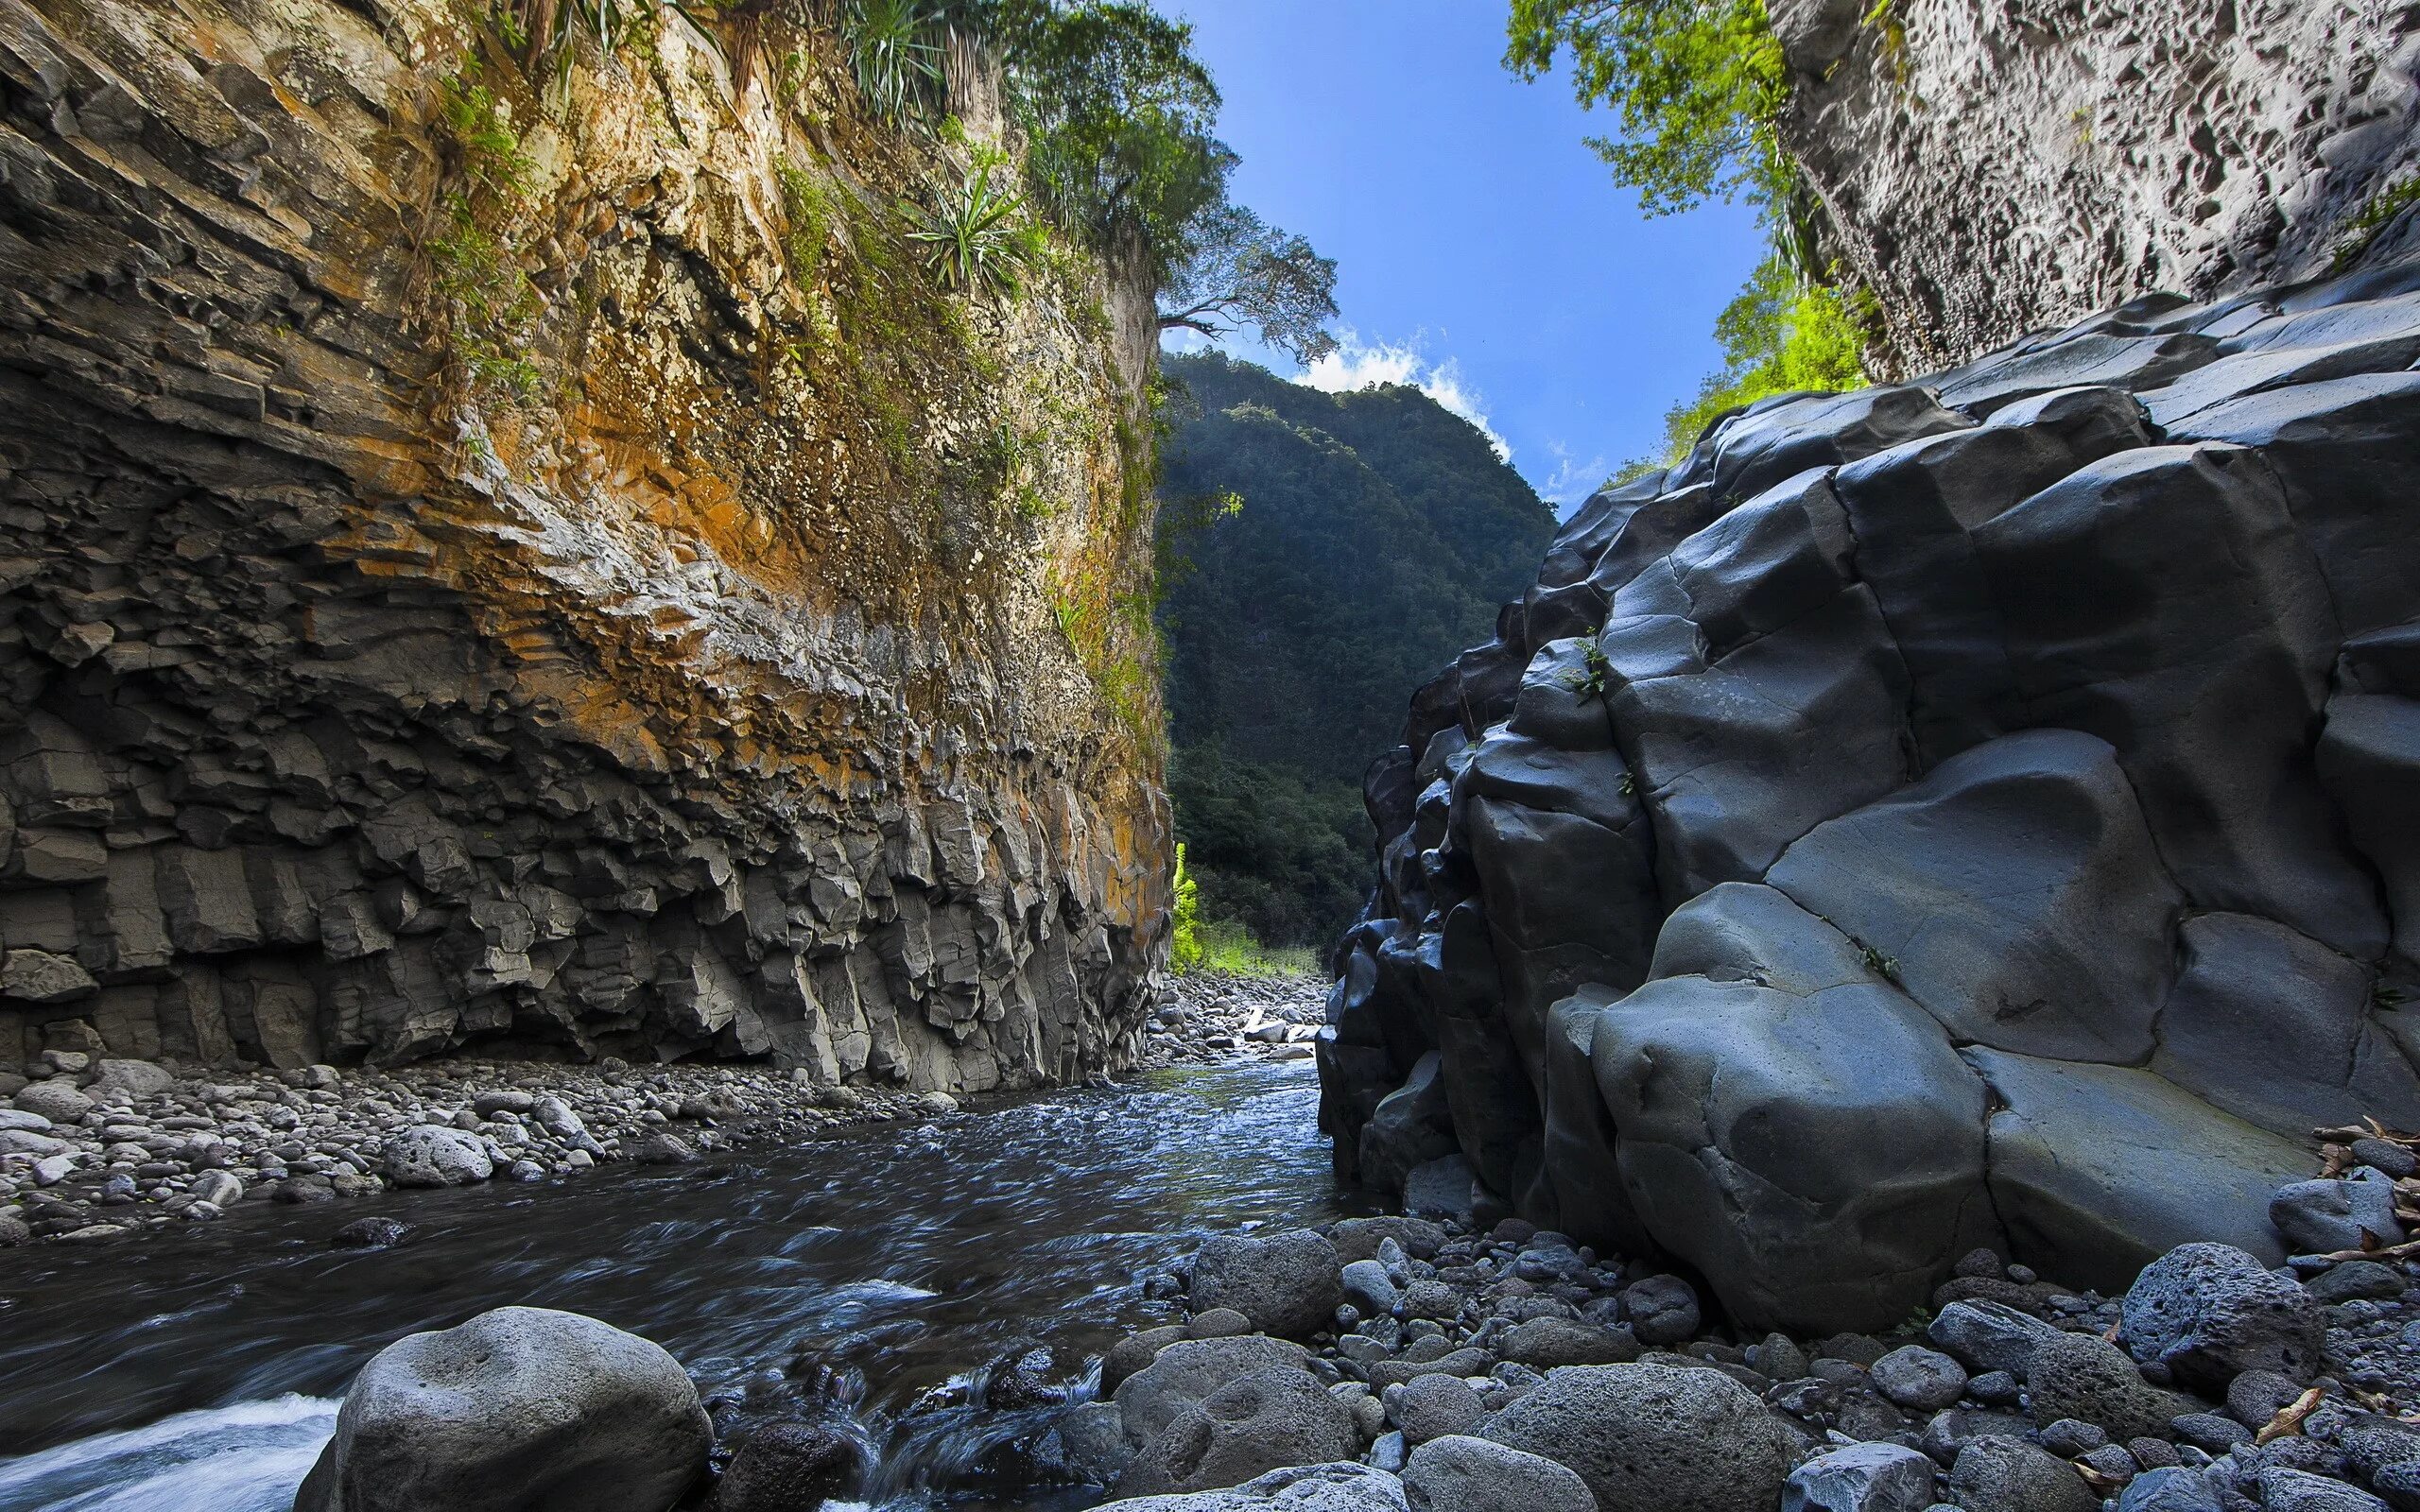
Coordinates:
(1880, 965)
(1594, 678)
(893, 54)
(970, 236)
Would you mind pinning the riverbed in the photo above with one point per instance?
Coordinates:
(874, 1273)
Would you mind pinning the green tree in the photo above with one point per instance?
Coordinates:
(1780, 335)
(1242, 271)
(1698, 84)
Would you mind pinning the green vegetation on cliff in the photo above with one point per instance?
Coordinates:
(1700, 86)
(1379, 535)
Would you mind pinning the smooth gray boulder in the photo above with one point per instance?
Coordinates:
(785, 1466)
(2015, 893)
(1410, 1127)
(1285, 1284)
(1432, 1406)
(433, 1154)
(1338, 1487)
(2209, 1313)
(1653, 1438)
(1791, 1123)
(2071, 1153)
(521, 1409)
(1458, 1473)
(2353, 1211)
(1860, 1478)
(1259, 1422)
(1918, 1379)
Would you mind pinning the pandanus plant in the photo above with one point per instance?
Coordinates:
(969, 235)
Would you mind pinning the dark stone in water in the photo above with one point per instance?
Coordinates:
(370, 1233)
(792, 1467)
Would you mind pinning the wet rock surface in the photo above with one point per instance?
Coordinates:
(1840, 860)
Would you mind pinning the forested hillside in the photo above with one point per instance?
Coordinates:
(1377, 535)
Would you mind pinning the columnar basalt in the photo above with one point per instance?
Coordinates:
(1991, 170)
(533, 559)
(1976, 811)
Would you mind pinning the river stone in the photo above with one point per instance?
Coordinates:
(1257, 1422)
(2354, 1212)
(1458, 1473)
(786, 1466)
(1462, 1362)
(1137, 1351)
(521, 1409)
(432, 1155)
(1432, 1406)
(2168, 1490)
(1190, 1371)
(1653, 1438)
(1286, 1282)
(58, 1101)
(1918, 1379)
(30, 1123)
(1341, 1486)
(1860, 1478)
(1544, 1343)
(2084, 1377)
(1359, 1238)
(1999, 1474)
(1661, 1309)
(2209, 1312)
(136, 1078)
(1989, 1335)
(2283, 1489)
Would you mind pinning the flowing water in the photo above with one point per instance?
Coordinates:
(871, 1275)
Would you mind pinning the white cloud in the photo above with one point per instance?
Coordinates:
(1573, 480)
(1356, 364)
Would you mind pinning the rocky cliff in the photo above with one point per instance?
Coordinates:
(1989, 170)
(531, 559)
(1973, 812)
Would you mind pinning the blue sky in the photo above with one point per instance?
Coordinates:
(1482, 249)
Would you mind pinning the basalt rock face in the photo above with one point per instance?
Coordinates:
(1990, 170)
(552, 574)
(1975, 812)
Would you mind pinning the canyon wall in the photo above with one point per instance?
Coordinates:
(530, 561)
(1988, 170)
(1975, 813)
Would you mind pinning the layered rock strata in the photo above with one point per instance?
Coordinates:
(1990, 170)
(1971, 813)
(543, 565)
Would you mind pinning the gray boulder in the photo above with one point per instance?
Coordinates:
(786, 1466)
(2283, 1489)
(1653, 1438)
(1188, 1372)
(2085, 1378)
(1458, 1473)
(1918, 1379)
(1544, 1343)
(1367, 1287)
(1432, 1406)
(1341, 1486)
(1990, 1335)
(59, 1101)
(1860, 1478)
(433, 1154)
(521, 1409)
(1661, 1309)
(2169, 1489)
(1285, 1284)
(1999, 1474)
(2355, 1212)
(1259, 1422)
(1440, 1189)
(2209, 1312)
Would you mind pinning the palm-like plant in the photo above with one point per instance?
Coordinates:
(894, 51)
(970, 240)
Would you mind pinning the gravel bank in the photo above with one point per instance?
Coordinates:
(95, 1149)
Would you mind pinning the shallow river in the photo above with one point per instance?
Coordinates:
(196, 1372)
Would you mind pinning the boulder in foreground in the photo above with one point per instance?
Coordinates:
(521, 1409)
